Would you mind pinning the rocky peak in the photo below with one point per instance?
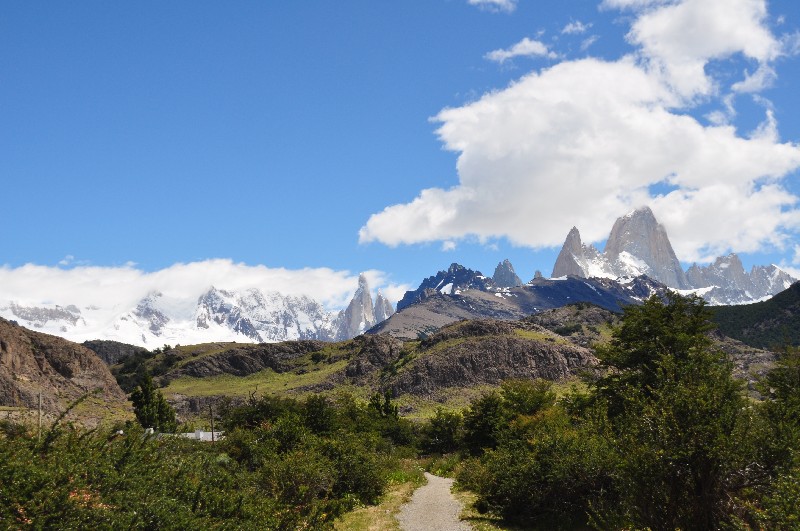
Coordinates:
(359, 316)
(571, 260)
(383, 308)
(638, 237)
(505, 276)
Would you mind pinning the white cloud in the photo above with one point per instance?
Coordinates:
(579, 143)
(678, 40)
(495, 5)
(576, 27)
(86, 286)
(761, 79)
(524, 48)
(448, 246)
(587, 42)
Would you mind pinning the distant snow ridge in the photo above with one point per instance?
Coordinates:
(251, 315)
(638, 245)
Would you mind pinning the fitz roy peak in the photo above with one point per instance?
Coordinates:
(250, 315)
(639, 245)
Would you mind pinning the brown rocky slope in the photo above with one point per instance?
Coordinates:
(32, 362)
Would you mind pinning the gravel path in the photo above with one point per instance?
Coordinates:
(432, 508)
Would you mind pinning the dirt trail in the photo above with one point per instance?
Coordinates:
(432, 508)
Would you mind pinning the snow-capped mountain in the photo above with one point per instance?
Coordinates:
(639, 245)
(457, 278)
(249, 315)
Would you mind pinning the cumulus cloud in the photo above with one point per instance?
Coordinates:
(576, 27)
(581, 143)
(495, 5)
(87, 286)
(524, 48)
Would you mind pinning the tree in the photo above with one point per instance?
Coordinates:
(679, 416)
(484, 422)
(150, 407)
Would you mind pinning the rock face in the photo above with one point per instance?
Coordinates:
(457, 278)
(63, 371)
(638, 237)
(505, 276)
(639, 245)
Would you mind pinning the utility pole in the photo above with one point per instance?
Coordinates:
(211, 411)
(39, 431)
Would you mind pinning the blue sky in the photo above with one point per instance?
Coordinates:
(305, 134)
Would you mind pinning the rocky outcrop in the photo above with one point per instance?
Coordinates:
(63, 371)
(112, 352)
(505, 276)
(463, 359)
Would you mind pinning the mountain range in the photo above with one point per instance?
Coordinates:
(639, 245)
(638, 260)
(251, 315)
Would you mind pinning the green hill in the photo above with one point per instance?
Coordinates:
(769, 324)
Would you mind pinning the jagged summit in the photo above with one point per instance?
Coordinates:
(455, 279)
(505, 276)
(639, 245)
(359, 316)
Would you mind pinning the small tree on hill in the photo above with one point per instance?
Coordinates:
(151, 409)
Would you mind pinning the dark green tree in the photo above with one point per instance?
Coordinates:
(150, 407)
(443, 432)
(680, 418)
(484, 421)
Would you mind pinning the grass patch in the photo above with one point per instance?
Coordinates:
(266, 381)
(540, 336)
